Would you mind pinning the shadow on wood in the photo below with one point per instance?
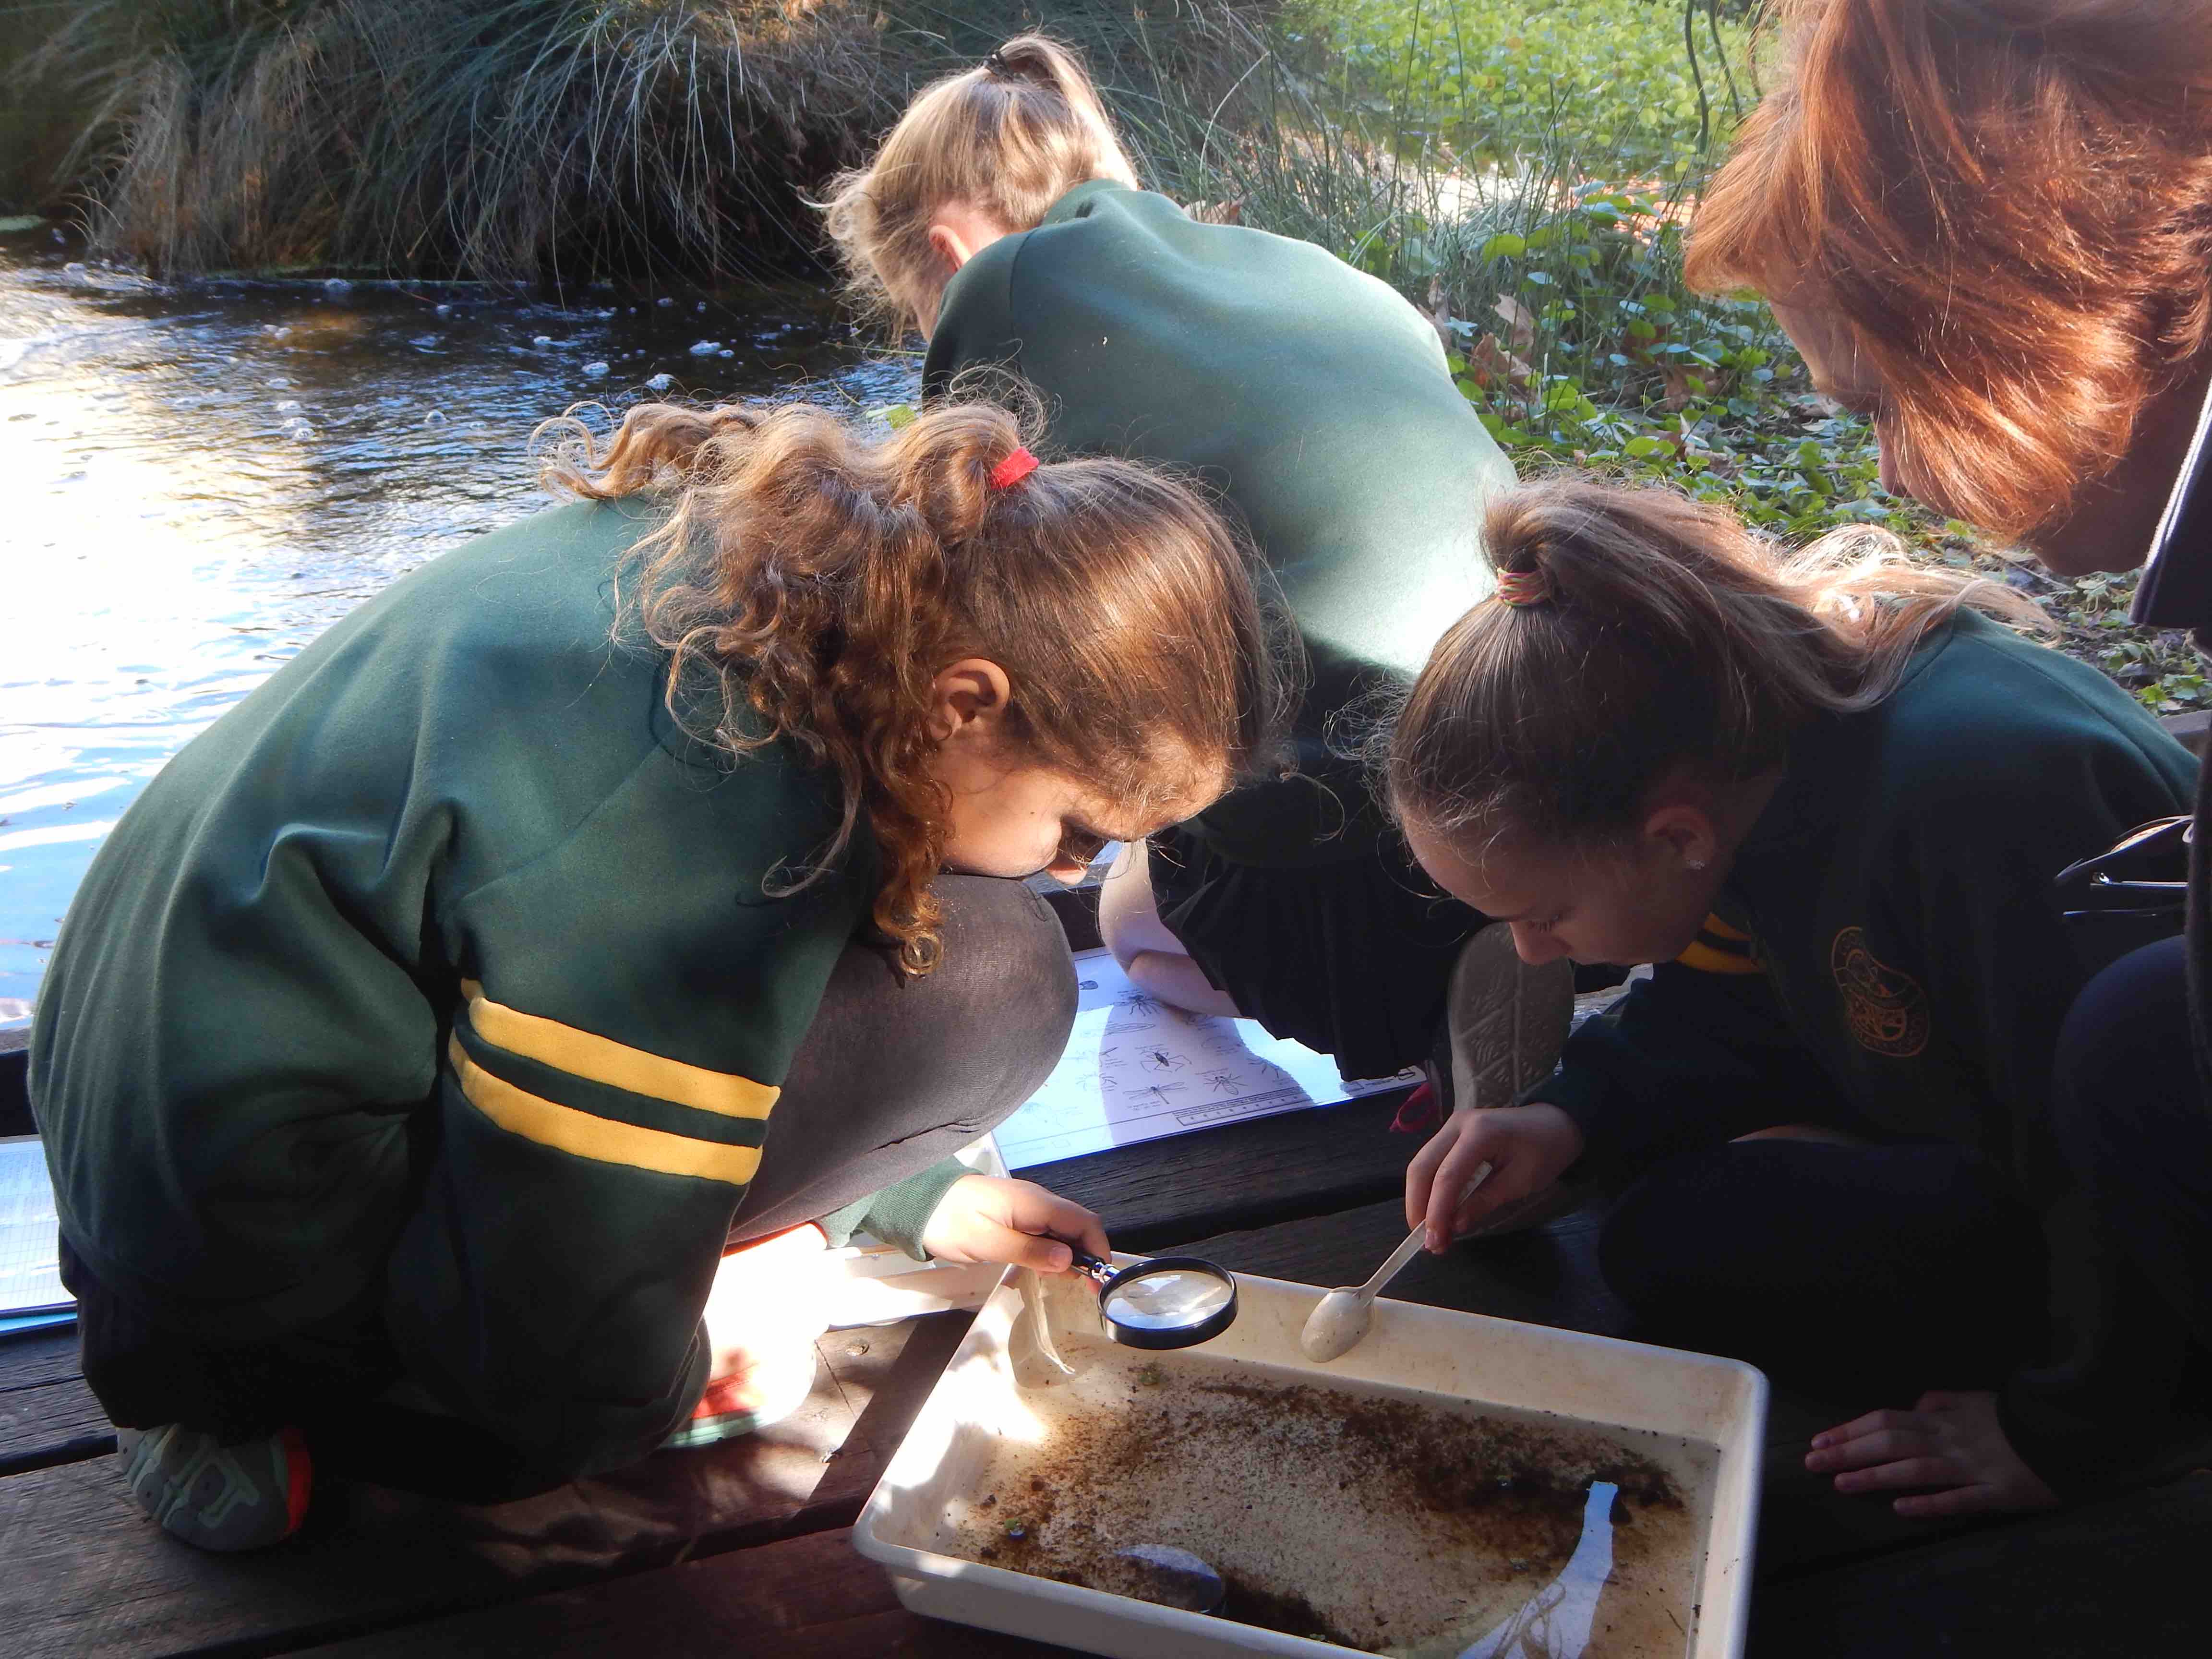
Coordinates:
(89, 1572)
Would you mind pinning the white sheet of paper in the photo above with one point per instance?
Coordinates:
(30, 1258)
(1135, 1069)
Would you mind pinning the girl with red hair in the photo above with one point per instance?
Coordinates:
(1988, 226)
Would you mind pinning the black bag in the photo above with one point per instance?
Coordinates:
(2133, 894)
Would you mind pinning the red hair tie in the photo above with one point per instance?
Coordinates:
(1521, 588)
(1012, 470)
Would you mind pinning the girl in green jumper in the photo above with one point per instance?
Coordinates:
(1001, 218)
(585, 905)
(1828, 798)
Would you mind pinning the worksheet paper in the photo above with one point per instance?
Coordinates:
(1135, 1069)
(30, 1262)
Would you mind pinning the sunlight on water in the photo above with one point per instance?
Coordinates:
(200, 480)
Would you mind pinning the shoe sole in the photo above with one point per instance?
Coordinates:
(710, 1431)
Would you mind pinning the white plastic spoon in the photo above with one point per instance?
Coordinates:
(1340, 1319)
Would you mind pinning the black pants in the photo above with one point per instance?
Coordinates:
(892, 1076)
(1351, 958)
(1868, 1273)
(2132, 1118)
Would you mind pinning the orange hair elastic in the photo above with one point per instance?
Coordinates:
(1012, 470)
(1523, 587)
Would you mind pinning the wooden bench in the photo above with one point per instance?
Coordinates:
(742, 1548)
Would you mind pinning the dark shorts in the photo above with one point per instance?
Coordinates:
(1351, 958)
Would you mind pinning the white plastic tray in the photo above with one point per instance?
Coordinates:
(1457, 1357)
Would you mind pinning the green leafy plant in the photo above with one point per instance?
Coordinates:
(1499, 81)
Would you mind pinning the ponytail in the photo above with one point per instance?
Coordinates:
(1635, 631)
(815, 583)
(1009, 138)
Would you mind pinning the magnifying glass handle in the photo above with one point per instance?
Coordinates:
(1099, 1271)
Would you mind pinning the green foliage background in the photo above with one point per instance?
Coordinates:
(1543, 160)
(1520, 169)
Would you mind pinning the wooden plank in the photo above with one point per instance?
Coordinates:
(50, 1423)
(47, 1415)
(2115, 1577)
(1240, 1176)
(1804, 1522)
(810, 1596)
(36, 1357)
(90, 1574)
(2095, 1582)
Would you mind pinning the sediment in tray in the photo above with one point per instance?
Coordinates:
(1375, 1520)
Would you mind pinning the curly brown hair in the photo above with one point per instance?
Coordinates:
(818, 581)
(2008, 203)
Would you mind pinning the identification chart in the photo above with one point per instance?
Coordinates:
(1135, 1069)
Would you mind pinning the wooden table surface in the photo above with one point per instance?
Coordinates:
(742, 1548)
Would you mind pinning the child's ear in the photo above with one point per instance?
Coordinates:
(968, 702)
(952, 248)
(1683, 833)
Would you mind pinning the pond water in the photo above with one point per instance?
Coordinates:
(200, 480)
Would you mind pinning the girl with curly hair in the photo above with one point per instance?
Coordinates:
(637, 881)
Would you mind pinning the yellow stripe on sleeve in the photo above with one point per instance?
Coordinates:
(601, 1140)
(602, 1060)
(1720, 929)
(1706, 960)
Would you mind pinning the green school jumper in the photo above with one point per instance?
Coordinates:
(1309, 394)
(438, 983)
(1888, 932)
(1317, 403)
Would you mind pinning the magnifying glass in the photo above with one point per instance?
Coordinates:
(1167, 1302)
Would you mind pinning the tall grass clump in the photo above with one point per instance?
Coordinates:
(509, 140)
(501, 139)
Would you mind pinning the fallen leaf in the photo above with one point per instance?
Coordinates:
(1487, 361)
(1521, 325)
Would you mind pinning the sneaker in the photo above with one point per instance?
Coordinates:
(1507, 1023)
(244, 1495)
(765, 1392)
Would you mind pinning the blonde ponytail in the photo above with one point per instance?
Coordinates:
(1009, 138)
(1642, 631)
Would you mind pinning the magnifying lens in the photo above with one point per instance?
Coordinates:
(1167, 1302)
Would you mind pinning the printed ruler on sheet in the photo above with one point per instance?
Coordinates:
(1135, 1069)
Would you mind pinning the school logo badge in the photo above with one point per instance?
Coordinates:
(1886, 1011)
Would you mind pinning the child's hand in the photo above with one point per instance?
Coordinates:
(985, 1219)
(1949, 1453)
(1527, 1147)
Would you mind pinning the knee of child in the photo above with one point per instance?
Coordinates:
(1005, 955)
(2127, 1034)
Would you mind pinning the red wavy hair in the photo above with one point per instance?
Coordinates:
(2009, 205)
